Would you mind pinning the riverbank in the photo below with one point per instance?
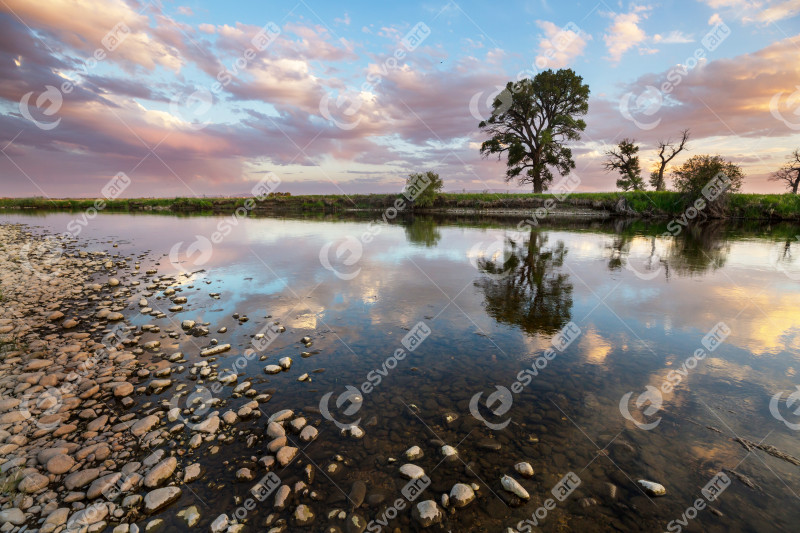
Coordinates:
(649, 204)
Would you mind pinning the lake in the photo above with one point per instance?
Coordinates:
(600, 352)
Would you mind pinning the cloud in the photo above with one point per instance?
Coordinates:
(714, 19)
(560, 45)
(673, 37)
(624, 33)
(760, 12)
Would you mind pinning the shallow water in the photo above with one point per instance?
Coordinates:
(627, 310)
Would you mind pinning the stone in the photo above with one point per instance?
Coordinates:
(461, 495)
(193, 472)
(160, 472)
(144, 425)
(414, 453)
(157, 499)
(512, 485)
(524, 469)
(81, 478)
(60, 464)
(412, 471)
(122, 389)
(652, 488)
(105, 485)
(308, 434)
(286, 454)
(220, 523)
(303, 515)
(209, 425)
(12, 516)
(427, 513)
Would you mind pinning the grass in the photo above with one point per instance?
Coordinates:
(649, 203)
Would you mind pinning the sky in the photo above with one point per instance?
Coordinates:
(196, 97)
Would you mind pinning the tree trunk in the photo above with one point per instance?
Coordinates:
(537, 186)
(794, 186)
(660, 184)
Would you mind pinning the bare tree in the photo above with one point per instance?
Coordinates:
(667, 150)
(789, 172)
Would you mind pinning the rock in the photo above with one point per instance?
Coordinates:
(461, 495)
(191, 515)
(214, 350)
(524, 469)
(220, 523)
(282, 497)
(448, 451)
(55, 315)
(275, 430)
(427, 513)
(285, 362)
(157, 499)
(144, 425)
(414, 453)
(12, 516)
(209, 425)
(187, 324)
(54, 520)
(93, 514)
(272, 369)
(652, 488)
(303, 515)
(122, 389)
(113, 282)
(286, 454)
(358, 492)
(160, 473)
(355, 523)
(512, 485)
(103, 486)
(69, 323)
(412, 471)
(60, 464)
(244, 474)
(230, 418)
(114, 317)
(193, 472)
(81, 478)
(308, 434)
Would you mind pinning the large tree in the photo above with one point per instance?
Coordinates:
(710, 179)
(667, 150)
(624, 160)
(789, 173)
(531, 120)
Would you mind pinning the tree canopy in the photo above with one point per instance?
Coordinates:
(531, 121)
(625, 160)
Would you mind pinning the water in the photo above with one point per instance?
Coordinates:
(705, 323)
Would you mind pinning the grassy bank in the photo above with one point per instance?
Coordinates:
(646, 204)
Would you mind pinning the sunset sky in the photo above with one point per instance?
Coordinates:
(198, 98)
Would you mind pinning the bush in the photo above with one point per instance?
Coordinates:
(709, 181)
(423, 189)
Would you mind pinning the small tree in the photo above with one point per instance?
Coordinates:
(624, 160)
(667, 150)
(531, 121)
(709, 180)
(789, 173)
(422, 189)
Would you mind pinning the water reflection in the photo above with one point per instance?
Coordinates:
(422, 230)
(527, 287)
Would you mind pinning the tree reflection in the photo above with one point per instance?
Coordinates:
(423, 230)
(526, 288)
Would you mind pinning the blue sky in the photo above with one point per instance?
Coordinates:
(185, 105)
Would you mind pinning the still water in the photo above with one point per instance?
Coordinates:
(646, 356)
